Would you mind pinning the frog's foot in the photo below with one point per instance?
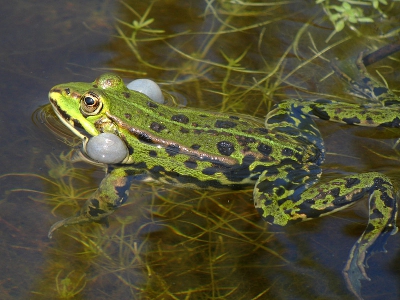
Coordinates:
(354, 270)
(68, 221)
(367, 87)
(92, 211)
(78, 219)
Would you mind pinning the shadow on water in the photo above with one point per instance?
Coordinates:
(173, 243)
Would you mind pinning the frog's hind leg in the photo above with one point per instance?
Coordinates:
(280, 202)
(354, 114)
(381, 224)
(366, 86)
(381, 107)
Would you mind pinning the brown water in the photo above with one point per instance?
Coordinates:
(173, 243)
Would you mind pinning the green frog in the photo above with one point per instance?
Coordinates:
(280, 156)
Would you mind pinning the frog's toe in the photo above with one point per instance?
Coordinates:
(68, 221)
(54, 227)
(353, 277)
(354, 270)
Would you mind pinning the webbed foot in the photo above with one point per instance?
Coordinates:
(354, 270)
(90, 212)
(68, 221)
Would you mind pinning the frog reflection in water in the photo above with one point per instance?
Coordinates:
(196, 149)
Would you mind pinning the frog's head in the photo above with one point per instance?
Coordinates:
(84, 104)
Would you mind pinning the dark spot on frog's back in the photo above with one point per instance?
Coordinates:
(287, 152)
(234, 117)
(241, 171)
(157, 127)
(213, 132)
(126, 95)
(152, 153)
(195, 146)
(190, 164)
(224, 124)
(141, 165)
(198, 131)
(184, 130)
(172, 150)
(351, 121)
(157, 169)
(128, 116)
(180, 118)
(264, 149)
(244, 140)
(152, 104)
(225, 148)
(262, 130)
(209, 171)
(143, 137)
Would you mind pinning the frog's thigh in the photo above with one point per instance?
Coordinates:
(277, 192)
(324, 198)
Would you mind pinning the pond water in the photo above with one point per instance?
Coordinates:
(175, 243)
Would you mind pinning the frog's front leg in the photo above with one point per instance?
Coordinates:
(111, 194)
(281, 202)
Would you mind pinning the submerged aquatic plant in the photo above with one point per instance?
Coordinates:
(349, 13)
(69, 287)
(65, 185)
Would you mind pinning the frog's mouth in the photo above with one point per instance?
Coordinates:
(68, 121)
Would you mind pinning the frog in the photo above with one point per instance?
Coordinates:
(280, 157)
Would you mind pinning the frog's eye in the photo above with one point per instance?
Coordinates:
(91, 104)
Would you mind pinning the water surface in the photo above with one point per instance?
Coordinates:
(169, 243)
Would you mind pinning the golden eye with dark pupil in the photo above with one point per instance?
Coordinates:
(90, 104)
